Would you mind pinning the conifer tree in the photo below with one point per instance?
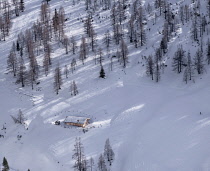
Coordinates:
(208, 52)
(66, 44)
(21, 74)
(17, 8)
(179, 60)
(188, 72)
(79, 156)
(198, 62)
(33, 70)
(12, 61)
(91, 164)
(190, 66)
(83, 50)
(157, 70)
(73, 65)
(108, 152)
(57, 79)
(102, 73)
(73, 45)
(22, 6)
(101, 164)
(194, 28)
(73, 89)
(185, 76)
(18, 46)
(100, 56)
(5, 165)
(150, 67)
(93, 39)
(107, 40)
(142, 33)
(66, 71)
(47, 58)
(124, 53)
(208, 8)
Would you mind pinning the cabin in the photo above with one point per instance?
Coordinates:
(76, 121)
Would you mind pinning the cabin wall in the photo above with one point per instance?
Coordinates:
(78, 124)
(73, 124)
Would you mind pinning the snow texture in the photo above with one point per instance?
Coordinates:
(151, 126)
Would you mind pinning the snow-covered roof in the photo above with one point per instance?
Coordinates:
(75, 119)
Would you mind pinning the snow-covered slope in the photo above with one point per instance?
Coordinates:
(151, 126)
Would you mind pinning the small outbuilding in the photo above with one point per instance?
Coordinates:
(77, 121)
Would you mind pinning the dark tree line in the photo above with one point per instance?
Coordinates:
(33, 41)
(50, 27)
(9, 9)
(82, 164)
(181, 62)
(126, 29)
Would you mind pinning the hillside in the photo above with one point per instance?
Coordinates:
(153, 125)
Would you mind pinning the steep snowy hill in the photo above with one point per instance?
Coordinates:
(152, 126)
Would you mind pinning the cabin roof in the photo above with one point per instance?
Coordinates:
(75, 119)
